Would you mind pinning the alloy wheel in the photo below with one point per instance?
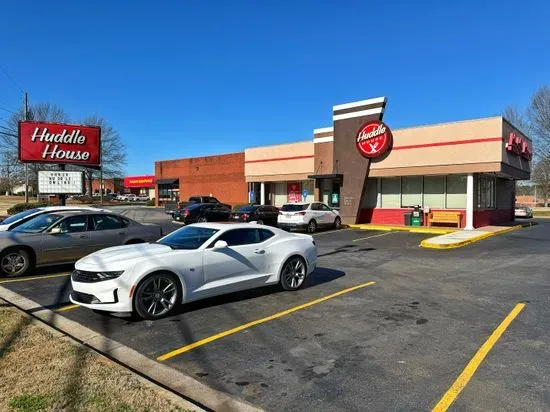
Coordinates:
(202, 219)
(294, 273)
(13, 263)
(260, 222)
(312, 226)
(337, 223)
(158, 295)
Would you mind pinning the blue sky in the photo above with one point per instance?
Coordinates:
(182, 78)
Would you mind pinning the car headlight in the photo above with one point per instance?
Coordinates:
(109, 275)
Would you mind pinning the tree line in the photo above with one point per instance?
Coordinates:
(534, 121)
(113, 150)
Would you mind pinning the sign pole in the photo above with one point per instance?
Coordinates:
(100, 185)
(62, 196)
(26, 109)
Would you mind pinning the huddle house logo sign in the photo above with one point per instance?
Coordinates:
(373, 139)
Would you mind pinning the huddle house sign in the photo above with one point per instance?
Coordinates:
(373, 139)
(59, 143)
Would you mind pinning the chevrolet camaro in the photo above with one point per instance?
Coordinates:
(192, 263)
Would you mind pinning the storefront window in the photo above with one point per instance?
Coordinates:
(456, 192)
(486, 192)
(411, 189)
(434, 192)
(391, 192)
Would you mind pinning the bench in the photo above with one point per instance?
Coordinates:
(454, 218)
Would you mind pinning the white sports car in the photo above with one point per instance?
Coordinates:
(194, 262)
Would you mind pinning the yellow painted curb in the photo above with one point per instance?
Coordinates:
(412, 229)
(426, 242)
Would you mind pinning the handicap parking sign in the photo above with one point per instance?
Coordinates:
(304, 194)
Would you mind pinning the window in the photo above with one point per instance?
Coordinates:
(316, 206)
(105, 222)
(294, 207)
(74, 224)
(19, 216)
(265, 234)
(486, 192)
(188, 237)
(411, 191)
(456, 192)
(240, 237)
(391, 192)
(434, 192)
(38, 224)
(325, 208)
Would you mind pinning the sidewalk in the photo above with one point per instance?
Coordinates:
(465, 237)
(412, 229)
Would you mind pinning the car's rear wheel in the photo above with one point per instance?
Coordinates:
(293, 273)
(14, 262)
(157, 295)
(260, 222)
(312, 226)
(202, 219)
(337, 223)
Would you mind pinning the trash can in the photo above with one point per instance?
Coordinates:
(417, 216)
(408, 218)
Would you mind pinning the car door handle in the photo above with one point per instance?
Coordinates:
(83, 236)
(259, 251)
(121, 233)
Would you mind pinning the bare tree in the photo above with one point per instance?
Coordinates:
(517, 118)
(113, 151)
(43, 112)
(538, 114)
(541, 177)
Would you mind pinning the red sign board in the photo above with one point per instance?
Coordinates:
(41, 142)
(139, 181)
(373, 139)
(519, 145)
(294, 193)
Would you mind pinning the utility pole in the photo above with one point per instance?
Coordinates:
(26, 164)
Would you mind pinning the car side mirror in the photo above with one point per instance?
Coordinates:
(220, 244)
(55, 230)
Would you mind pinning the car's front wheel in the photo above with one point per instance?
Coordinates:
(157, 296)
(337, 223)
(202, 219)
(293, 273)
(14, 262)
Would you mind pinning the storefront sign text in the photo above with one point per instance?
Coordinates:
(139, 181)
(518, 145)
(294, 193)
(373, 139)
(41, 142)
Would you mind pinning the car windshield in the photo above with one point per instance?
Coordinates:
(188, 237)
(38, 224)
(19, 216)
(294, 207)
(250, 208)
(194, 206)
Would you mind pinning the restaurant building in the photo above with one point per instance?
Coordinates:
(371, 173)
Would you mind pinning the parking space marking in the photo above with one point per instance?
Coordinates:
(463, 379)
(373, 236)
(67, 307)
(257, 322)
(329, 232)
(34, 278)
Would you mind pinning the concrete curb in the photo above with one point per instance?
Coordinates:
(198, 395)
(411, 229)
(426, 242)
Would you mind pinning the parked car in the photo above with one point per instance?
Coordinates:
(309, 216)
(256, 213)
(523, 211)
(142, 198)
(192, 263)
(15, 220)
(66, 236)
(202, 212)
(110, 196)
(171, 207)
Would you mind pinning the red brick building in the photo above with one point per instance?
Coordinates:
(221, 176)
(114, 185)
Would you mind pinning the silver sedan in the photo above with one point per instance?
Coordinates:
(64, 237)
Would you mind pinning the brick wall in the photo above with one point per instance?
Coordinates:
(115, 185)
(492, 217)
(222, 176)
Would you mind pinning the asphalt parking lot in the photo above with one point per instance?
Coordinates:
(381, 325)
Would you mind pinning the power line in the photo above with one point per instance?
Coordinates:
(12, 80)
(7, 110)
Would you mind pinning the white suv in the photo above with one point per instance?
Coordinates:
(308, 216)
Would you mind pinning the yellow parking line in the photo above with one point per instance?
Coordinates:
(258, 322)
(64, 308)
(34, 278)
(463, 379)
(373, 236)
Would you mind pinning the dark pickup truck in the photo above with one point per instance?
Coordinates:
(171, 207)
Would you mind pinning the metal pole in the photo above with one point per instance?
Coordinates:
(101, 185)
(62, 196)
(25, 114)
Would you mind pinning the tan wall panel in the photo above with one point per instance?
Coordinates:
(491, 167)
(445, 155)
(278, 177)
(277, 151)
(324, 158)
(261, 161)
(278, 167)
